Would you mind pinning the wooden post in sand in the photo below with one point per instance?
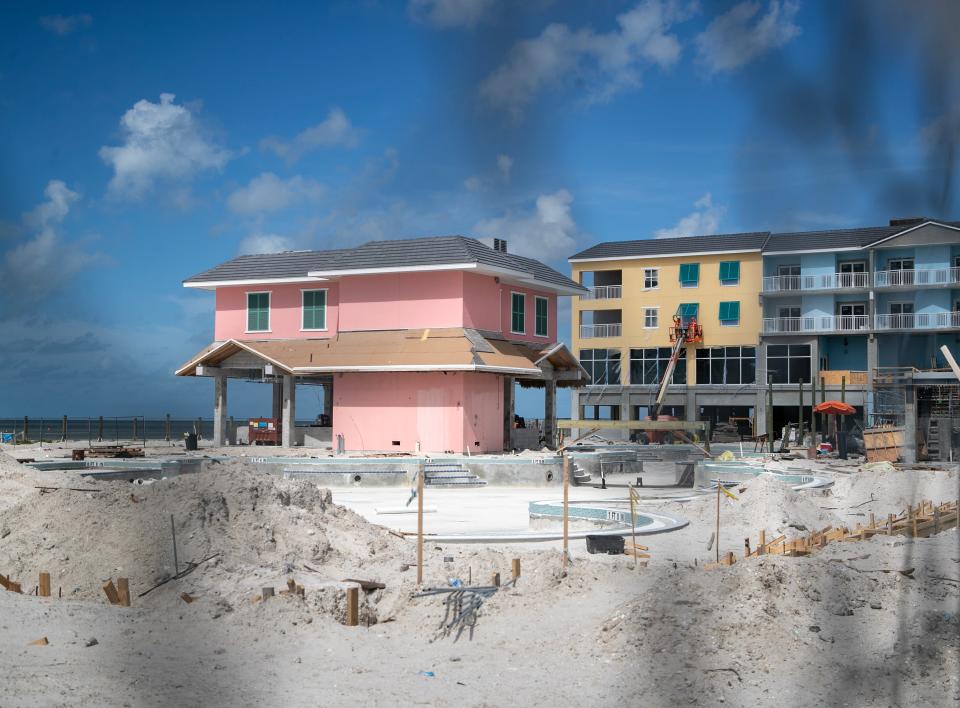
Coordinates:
(43, 590)
(111, 592)
(420, 524)
(566, 510)
(353, 606)
(516, 569)
(718, 519)
(123, 591)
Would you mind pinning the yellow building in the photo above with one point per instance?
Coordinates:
(621, 330)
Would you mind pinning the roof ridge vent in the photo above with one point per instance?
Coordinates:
(908, 220)
(497, 244)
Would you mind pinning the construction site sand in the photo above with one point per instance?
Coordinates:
(669, 634)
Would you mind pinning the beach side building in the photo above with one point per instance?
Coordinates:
(849, 309)
(622, 325)
(417, 342)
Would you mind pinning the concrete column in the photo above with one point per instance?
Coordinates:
(550, 412)
(760, 408)
(508, 413)
(289, 433)
(909, 453)
(277, 411)
(873, 358)
(575, 411)
(219, 410)
(328, 400)
(690, 404)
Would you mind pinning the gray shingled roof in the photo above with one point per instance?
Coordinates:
(759, 241)
(752, 241)
(437, 250)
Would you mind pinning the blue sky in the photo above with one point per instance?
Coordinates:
(139, 145)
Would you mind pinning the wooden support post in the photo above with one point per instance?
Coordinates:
(353, 606)
(762, 543)
(495, 580)
(123, 591)
(718, 519)
(890, 524)
(729, 558)
(111, 592)
(420, 473)
(746, 547)
(843, 389)
(43, 590)
(936, 520)
(873, 521)
(566, 510)
(266, 593)
(516, 568)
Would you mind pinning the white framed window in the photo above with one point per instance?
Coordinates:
(541, 319)
(651, 278)
(651, 317)
(518, 313)
(258, 312)
(313, 310)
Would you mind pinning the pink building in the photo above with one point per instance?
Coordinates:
(417, 343)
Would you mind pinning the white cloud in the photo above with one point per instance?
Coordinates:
(738, 36)
(65, 24)
(505, 164)
(160, 141)
(607, 63)
(703, 220)
(267, 192)
(335, 131)
(265, 243)
(473, 183)
(546, 232)
(45, 261)
(450, 13)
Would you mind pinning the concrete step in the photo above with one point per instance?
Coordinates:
(475, 482)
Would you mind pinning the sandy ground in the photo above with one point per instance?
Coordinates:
(830, 629)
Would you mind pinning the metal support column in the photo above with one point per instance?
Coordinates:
(289, 430)
(219, 410)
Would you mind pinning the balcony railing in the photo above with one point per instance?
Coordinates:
(600, 330)
(823, 323)
(603, 292)
(825, 281)
(919, 320)
(916, 278)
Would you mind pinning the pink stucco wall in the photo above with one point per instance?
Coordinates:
(286, 315)
(387, 301)
(444, 412)
(401, 301)
(486, 305)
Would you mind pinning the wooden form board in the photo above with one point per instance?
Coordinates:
(835, 378)
(883, 444)
(636, 424)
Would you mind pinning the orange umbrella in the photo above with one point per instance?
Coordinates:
(835, 408)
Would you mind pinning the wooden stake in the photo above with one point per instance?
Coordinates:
(762, 544)
(566, 510)
(123, 591)
(420, 473)
(266, 593)
(729, 558)
(495, 580)
(718, 520)
(353, 606)
(746, 547)
(111, 592)
(516, 568)
(44, 588)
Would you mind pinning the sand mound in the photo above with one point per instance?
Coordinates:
(261, 528)
(894, 490)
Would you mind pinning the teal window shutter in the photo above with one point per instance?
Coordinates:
(258, 312)
(314, 309)
(688, 310)
(729, 272)
(541, 317)
(729, 312)
(518, 313)
(689, 274)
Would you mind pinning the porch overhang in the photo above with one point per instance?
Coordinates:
(420, 350)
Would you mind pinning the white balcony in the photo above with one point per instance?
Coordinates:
(600, 330)
(604, 292)
(823, 323)
(918, 320)
(916, 278)
(826, 281)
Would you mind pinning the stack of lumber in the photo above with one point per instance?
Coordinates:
(114, 451)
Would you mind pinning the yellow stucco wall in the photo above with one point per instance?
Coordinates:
(668, 296)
